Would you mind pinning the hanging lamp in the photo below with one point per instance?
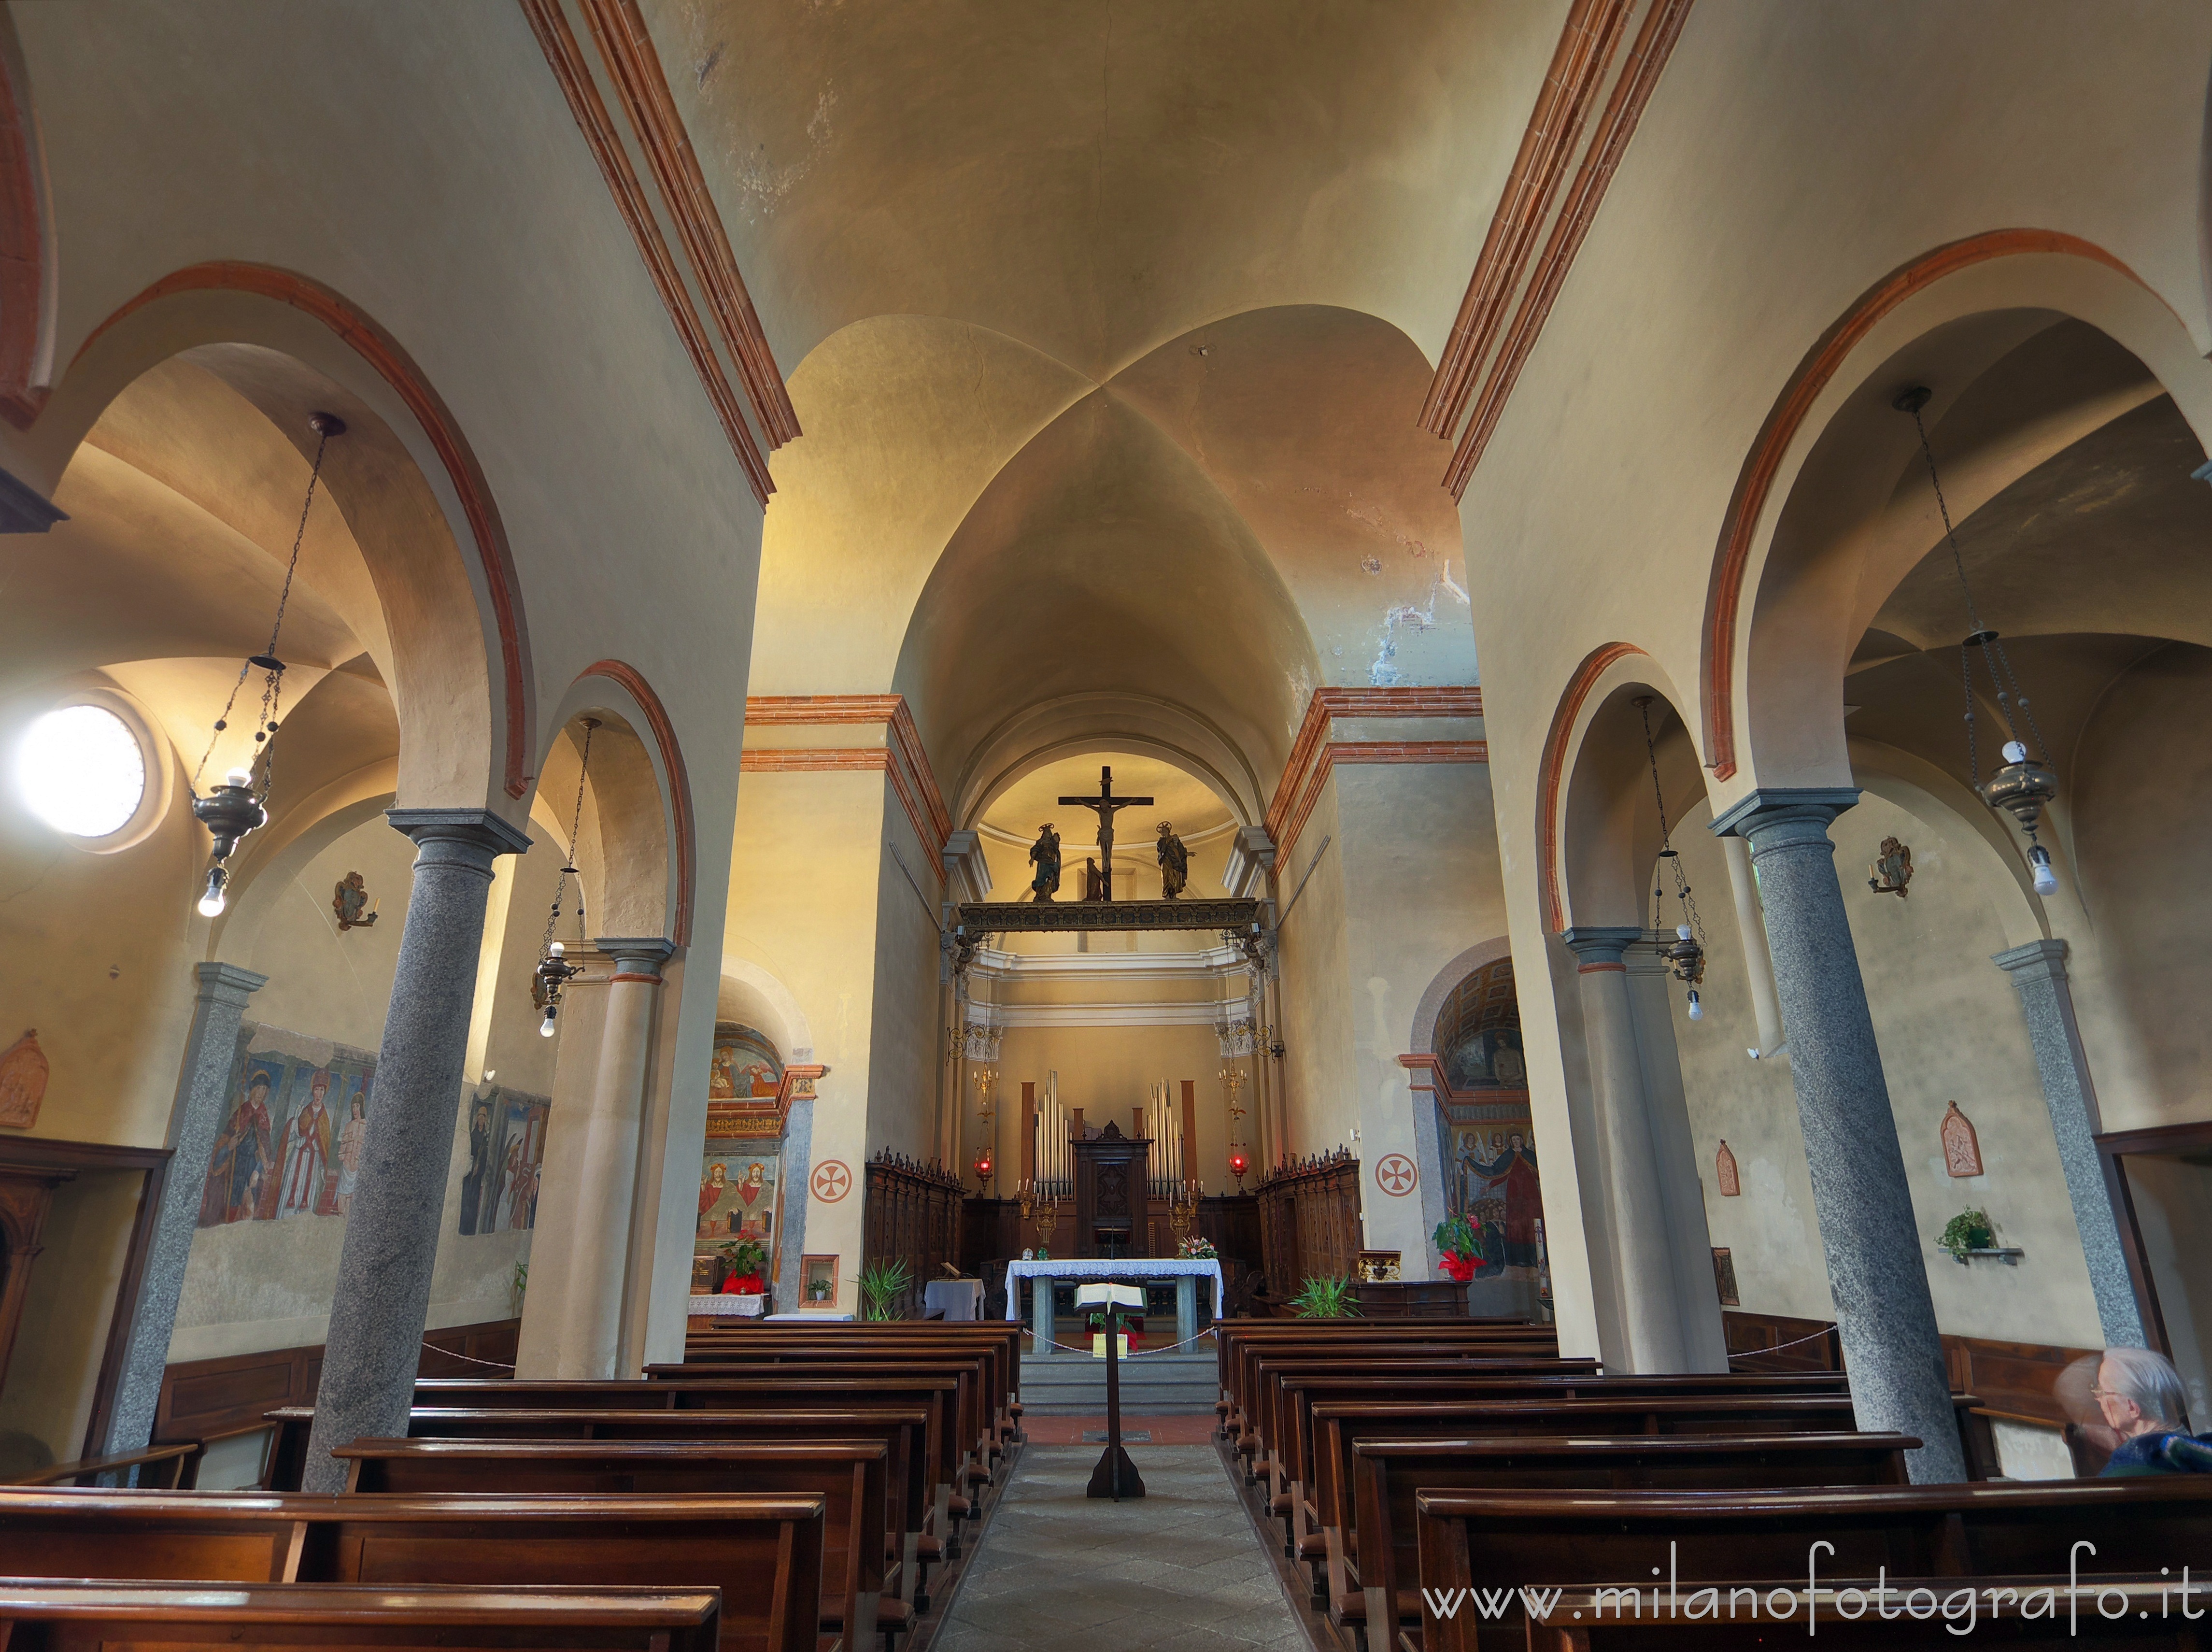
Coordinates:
(554, 970)
(240, 804)
(2022, 785)
(1686, 956)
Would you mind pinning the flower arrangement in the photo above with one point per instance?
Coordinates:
(748, 1265)
(1199, 1247)
(1462, 1248)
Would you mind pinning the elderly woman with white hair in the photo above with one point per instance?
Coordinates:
(2143, 1402)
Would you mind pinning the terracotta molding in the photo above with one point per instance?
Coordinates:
(23, 261)
(626, 46)
(648, 980)
(1551, 774)
(1724, 599)
(1295, 791)
(565, 58)
(1571, 85)
(383, 353)
(1599, 969)
(1639, 75)
(679, 780)
(1426, 1071)
(801, 710)
(814, 760)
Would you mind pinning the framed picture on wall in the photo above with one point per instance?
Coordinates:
(818, 1284)
(1724, 1276)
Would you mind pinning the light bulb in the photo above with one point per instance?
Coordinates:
(1696, 1010)
(211, 903)
(558, 948)
(2047, 881)
(545, 1027)
(1682, 931)
(241, 778)
(2015, 752)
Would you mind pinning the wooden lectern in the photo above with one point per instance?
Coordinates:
(1112, 1208)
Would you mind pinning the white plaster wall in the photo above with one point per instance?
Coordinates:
(1320, 1012)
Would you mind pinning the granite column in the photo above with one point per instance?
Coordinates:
(382, 1298)
(1876, 1274)
(195, 1119)
(2047, 999)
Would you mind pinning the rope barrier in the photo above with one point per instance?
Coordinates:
(1746, 1354)
(470, 1358)
(1135, 1353)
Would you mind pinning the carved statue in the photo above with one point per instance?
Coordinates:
(1174, 862)
(1094, 881)
(1044, 855)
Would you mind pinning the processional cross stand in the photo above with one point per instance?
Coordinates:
(1107, 805)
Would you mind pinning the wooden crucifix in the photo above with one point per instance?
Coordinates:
(1107, 804)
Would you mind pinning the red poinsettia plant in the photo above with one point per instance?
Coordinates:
(748, 1261)
(1462, 1248)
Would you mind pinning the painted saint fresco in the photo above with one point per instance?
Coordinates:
(1489, 1058)
(1495, 1186)
(290, 1145)
(744, 1066)
(507, 1153)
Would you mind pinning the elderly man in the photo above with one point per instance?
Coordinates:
(2143, 1402)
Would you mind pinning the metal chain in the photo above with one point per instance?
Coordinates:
(575, 826)
(1666, 836)
(2007, 686)
(272, 693)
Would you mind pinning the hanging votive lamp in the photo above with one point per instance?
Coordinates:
(2021, 785)
(554, 971)
(240, 804)
(1685, 957)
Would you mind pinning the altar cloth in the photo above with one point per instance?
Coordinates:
(1101, 1267)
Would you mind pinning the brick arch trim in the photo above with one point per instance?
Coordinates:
(392, 363)
(679, 780)
(1755, 483)
(1551, 774)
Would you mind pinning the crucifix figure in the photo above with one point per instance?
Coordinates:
(1106, 804)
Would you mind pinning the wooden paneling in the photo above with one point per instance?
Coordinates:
(1310, 1221)
(914, 1213)
(1776, 1342)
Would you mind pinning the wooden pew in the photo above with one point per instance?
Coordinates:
(903, 1430)
(2147, 1618)
(1241, 1346)
(175, 1467)
(848, 1475)
(1247, 1394)
(287, 1448)
(1505, 1539)
(763, 1553)
(244, 1618)
(1001, 1339)
(998, 1369)
(1374, 1560)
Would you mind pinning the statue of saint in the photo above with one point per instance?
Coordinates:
(1044, 855)
(1094, 881)
(1174, 862)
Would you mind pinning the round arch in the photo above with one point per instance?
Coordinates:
(461, 675)
(642, 802)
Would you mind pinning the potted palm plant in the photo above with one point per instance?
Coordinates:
(1331, 1297)
(882, 1285)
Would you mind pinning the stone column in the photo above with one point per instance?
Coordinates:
(195, 1119)
(597, 1209)
(382, 1299)
(1867, 1229)
(2038, 971)
(1643, 1268)
(794, 1167)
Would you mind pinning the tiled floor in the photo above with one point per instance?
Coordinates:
(1178, 1569)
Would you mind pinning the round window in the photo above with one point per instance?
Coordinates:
(82, 771)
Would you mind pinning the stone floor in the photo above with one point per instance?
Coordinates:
(1179, 1570)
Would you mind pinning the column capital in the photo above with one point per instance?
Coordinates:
(1790, 811)
(2038, 960)
(226, 983)
(643, 954)
(1647, 954)
(1597, 946)
(480, 830)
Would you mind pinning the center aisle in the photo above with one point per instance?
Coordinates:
(1179, 1570)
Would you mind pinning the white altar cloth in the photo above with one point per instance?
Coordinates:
(1127, 1267)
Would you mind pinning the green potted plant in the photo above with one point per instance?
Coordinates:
(1969, 1230)
(745, 1265)
(1460, 1247)
(1331, 1297)
(882, 1284)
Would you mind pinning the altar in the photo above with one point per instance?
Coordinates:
(1185, 1271)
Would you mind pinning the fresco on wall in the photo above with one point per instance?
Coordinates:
(744, 1066)
(1489, 1057)
(507, 1151)
(737, 1177)
(290, 1145)
(1494, 1182)
(1495, 1186)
